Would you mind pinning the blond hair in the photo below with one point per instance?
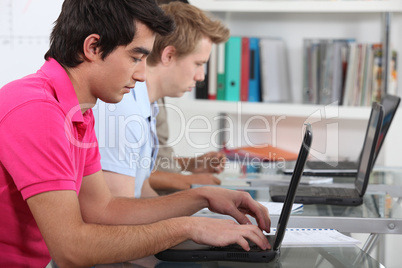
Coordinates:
(192, 24)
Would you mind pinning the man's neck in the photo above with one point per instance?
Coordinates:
(86, 100)
(154, 83)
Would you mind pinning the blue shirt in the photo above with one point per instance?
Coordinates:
(126, 134)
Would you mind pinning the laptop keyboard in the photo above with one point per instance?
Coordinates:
(331, 165)
(330, 192)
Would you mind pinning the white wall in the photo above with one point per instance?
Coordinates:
(24, 35)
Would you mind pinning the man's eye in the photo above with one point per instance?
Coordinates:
(136, 59)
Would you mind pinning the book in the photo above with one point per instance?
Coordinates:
(326, 59)
(368, 77)
(377, 90)
(307, 90)
(310, 71)
(340, 50)
(357, 90)
(245, 68)
(232, 68)
(254, 88)
(350, 75)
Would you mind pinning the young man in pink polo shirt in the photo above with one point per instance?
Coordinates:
(53, 197)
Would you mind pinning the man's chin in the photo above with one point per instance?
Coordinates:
(181, 94)
(113, 100)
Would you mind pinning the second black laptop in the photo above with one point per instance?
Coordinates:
(390, 104)
(337, 195)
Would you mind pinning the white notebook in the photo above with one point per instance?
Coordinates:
(274, 208)
(315, 237)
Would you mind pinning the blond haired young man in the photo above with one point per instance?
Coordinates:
(173, 68)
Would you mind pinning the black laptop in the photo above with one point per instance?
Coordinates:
(390, 104)
(190, 251)
(341, 195)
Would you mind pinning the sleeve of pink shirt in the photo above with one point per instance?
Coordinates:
(92, 163)
(38, 155)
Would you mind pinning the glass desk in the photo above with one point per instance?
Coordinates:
(318, 257)
(381, 211)
(388, 180)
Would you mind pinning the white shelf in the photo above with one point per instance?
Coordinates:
(327, 6)
(268, 109)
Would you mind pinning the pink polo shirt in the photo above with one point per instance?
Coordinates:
(46, 144)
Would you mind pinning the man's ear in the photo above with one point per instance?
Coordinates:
(90, 47)
(167, 55)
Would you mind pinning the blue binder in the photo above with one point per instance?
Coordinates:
(254, 90)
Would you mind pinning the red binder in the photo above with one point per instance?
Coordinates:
(245, 68)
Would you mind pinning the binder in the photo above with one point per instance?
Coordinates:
(212, 73)
(311, 52)
(326, 70)
(245, 68)
(274, 69)
(201, 87)
(254, 88)
(232, 68)
(220, 72)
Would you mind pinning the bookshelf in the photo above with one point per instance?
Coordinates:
(293, 21)
(284, 6)
(268, 109)
(364, 21)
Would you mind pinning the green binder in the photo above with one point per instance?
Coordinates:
(220, 70)
(232, 68)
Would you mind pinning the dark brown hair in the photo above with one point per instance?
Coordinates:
(114, 21)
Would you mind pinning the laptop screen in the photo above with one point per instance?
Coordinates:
(294, 182)
(390, 104)
(369, 145)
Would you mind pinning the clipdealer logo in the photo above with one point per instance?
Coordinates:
(328, 113)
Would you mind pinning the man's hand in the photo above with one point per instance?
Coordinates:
(236, 204)
(218, 232)
(212, 162)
